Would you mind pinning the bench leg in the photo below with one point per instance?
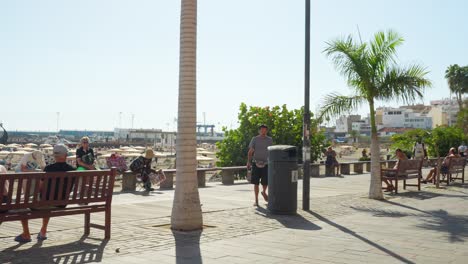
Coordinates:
(86, 224)
(107, 224)
(404, 184)
(396, 186)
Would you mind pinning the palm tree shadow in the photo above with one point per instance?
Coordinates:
(456, 226)
(188, 247)
(72, 253)
(289, 221)
(356, 235)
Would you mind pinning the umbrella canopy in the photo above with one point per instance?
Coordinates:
(45, 145)
(140, 148)
(131, 155)
(27, 149)
(203, 158)
(19, 152)
(30, 145)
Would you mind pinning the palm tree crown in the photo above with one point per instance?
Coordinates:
(372, 73)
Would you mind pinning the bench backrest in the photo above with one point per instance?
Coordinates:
(58, 188)
(410, 166)
(456, 164)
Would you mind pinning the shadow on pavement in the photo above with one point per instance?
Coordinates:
(419, 195)
(456, 226)
(289, 221)
(382, 212)
(363, 239)
(188, 247)
(72, 253)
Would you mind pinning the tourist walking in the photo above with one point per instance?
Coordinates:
(331, 160)
(419, 150)
(257, 160)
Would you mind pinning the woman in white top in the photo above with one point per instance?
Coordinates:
(31, 162)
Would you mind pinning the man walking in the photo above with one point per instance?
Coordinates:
(258, 150)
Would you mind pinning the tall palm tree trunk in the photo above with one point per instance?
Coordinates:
(375, 187)
(186, 209)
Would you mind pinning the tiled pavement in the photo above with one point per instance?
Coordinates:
(343, 226)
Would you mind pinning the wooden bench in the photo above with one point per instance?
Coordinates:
(85, 192)
(456, 170)
(407, 169)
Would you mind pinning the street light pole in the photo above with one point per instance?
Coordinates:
(306, 121)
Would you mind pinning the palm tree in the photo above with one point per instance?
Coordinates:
(457, 78)
(186, 209)
(371, 72)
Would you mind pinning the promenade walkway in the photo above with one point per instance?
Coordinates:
(343, 226)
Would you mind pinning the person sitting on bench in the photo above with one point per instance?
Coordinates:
(400, 155)
(444, 167)
(60, 165)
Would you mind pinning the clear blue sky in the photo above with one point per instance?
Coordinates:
(90, 60)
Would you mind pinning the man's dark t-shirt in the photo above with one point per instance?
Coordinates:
(59, 167)
(81, 152)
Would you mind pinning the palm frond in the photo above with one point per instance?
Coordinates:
(350, 59)
(403, 84)
(335, 104)
(383, 50)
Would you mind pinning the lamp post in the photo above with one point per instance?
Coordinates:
(306, 121)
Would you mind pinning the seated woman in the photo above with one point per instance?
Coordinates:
(444, 168)
(400, 155)
(3, 170)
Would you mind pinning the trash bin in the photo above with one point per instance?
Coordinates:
(282, 179)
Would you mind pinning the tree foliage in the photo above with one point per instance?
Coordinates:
(437, 141)
(457, 79)
(285, 127)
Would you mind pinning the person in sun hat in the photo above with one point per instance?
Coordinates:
(142, 168)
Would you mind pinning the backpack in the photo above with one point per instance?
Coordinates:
(137, 164)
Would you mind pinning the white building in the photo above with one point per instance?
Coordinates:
(344, 123)
(444, 112)
(362, 127)
(155, 137)
(406, 116)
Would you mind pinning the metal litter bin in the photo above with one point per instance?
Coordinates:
(282, 179)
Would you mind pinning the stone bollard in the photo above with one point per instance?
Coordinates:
(358, 168)
(227, 177)
(314, 170)
(345, 168)
(329, 170)
(201, 175)
(368, 166)
(128, 181)
(169, 182)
